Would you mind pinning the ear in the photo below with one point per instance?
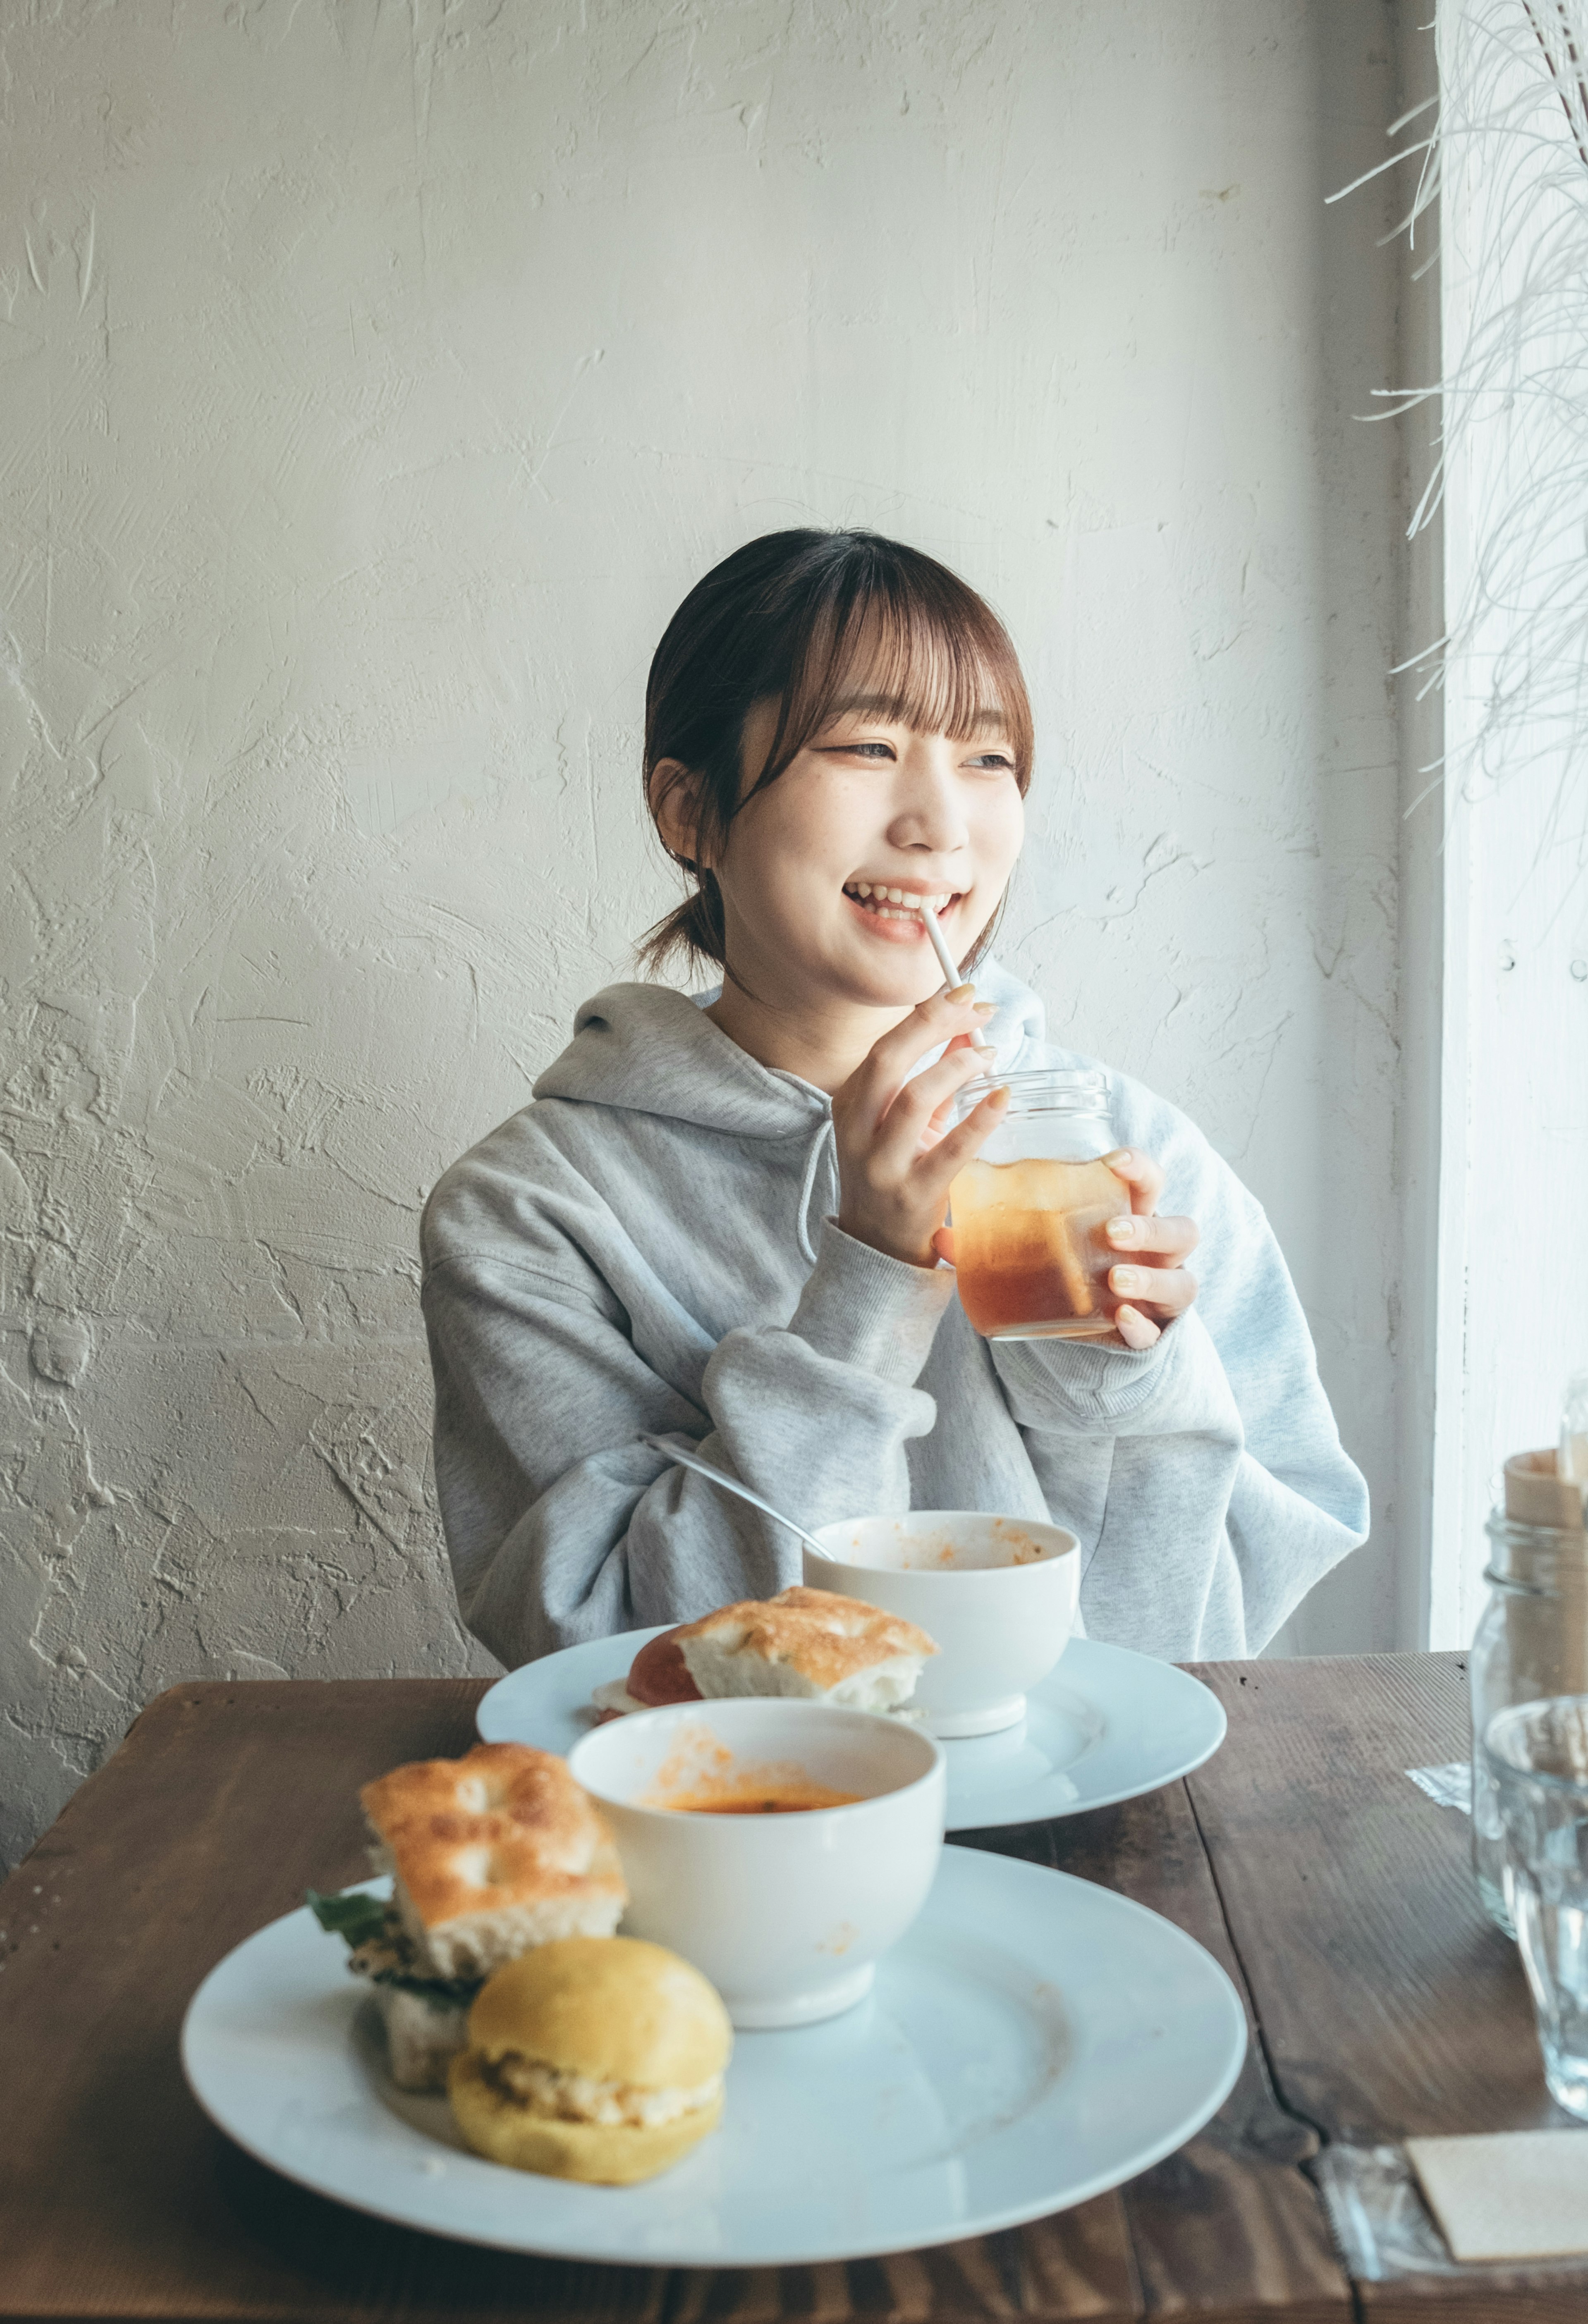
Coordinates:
(673, 793)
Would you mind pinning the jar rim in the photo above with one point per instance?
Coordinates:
(1043, 1089)
(1501, 1526)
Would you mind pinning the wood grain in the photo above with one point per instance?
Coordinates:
(1390, 2003)
(1229, 2225)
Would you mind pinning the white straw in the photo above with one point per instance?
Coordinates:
(950, 968)
(946, 960)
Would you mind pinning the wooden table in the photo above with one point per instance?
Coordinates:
(1336, 1894)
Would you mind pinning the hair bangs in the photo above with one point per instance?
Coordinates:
(907, 641)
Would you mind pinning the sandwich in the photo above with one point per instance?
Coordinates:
(600, 2060)
(810, 1645)
(489, 1855)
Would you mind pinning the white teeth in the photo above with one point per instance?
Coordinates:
(881, 899)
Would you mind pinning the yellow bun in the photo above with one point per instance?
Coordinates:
(616, 2008)
(612, 2156)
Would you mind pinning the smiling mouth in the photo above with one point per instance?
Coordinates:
(898, 903)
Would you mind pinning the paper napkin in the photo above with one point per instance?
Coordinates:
(1513, 2194)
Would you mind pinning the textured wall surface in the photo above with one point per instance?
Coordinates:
(373, 382)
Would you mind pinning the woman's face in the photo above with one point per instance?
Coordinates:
(826, 872)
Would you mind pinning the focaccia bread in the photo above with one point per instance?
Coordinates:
(810, 1644)
(492, 1854)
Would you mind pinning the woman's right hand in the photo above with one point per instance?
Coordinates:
(895, 1158)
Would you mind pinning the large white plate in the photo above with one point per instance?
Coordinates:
(1034, 2040)
(1108, 1724)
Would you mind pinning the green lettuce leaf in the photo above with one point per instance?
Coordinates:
(352, 1914)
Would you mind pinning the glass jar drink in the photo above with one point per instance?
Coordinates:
(1029, 1213)
(1532, 1644)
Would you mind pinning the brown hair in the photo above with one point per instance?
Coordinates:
(788, 617)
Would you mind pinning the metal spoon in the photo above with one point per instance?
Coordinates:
(731, 1485)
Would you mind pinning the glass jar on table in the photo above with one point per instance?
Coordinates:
(1537, 1759)
(1531, 1644)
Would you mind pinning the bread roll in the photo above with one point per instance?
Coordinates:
(593, 2059)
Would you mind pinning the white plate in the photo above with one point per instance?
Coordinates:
(1108, 1724)
(1034, 2040)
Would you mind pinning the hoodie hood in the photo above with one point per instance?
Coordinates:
(648, 1049)
(652, 1051)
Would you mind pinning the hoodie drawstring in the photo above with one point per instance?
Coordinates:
(823, 1143)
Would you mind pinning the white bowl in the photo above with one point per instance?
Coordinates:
(998, 1594)
(786, 1914)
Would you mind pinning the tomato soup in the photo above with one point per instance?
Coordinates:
(750, 1798)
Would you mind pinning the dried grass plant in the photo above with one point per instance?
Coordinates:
(1507, 156)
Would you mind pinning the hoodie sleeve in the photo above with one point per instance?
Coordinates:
(1229, 1493)
(561, 1526)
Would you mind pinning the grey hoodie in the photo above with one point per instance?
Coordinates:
(650, 1247)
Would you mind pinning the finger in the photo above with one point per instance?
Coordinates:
(932, 1171)
(916, 1110)
(1141, 1173)
(877, 1082)
(943, 1243)
(1136, 1330)
(1166, 1290)
(944, 1116)
(927, 1091)
(1177, 1237)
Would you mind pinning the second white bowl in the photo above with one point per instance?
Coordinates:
(998, 1594)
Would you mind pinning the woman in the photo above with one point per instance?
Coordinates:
(722, 1219)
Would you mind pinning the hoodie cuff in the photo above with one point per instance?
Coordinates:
(859, 1306)
(1104, 1387)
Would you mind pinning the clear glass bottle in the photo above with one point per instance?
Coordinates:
(1532, 1643)
(1028, 1214)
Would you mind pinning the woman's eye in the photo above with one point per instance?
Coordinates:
(997, 762)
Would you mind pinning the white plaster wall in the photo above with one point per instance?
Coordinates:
(373, 382)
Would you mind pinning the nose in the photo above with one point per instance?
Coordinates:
(928, 814)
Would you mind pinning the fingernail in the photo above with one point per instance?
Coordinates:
(999, 1096)
(963, 993)
(985, 1008)
(1121, 1154)
(1125, 1279)
(1122, 1229)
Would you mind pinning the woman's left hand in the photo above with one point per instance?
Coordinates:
(1154, 1280)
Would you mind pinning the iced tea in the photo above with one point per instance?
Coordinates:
(1029, 1248)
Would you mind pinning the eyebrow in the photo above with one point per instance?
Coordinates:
(989, 718)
